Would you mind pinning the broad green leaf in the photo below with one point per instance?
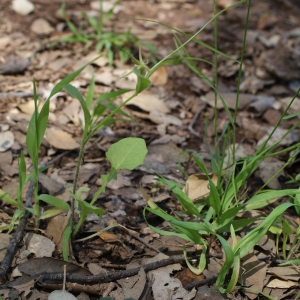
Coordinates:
(50, 213)
(59, 86)
(226, 217)
(266, 197)
(58, 203)
(184, 200)
(127, 153)
(290, 262)
(235, 273)
(164, 232)
(66, 240)
(73, 92)
(106, 178)
(112, 95)
(252, 238)
(85, 209)
(22, 169)
(238, 224)
(229, 255)
(16, 217)
(6, 198)
(198, 227)
(202, 262)
(142, 82)
(90, 92)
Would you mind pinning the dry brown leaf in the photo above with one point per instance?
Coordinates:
(60, 139)
(281, 284)
(160, 76)
(108, 237)
(147, 102)
(196, 185)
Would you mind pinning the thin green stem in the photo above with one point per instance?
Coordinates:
(80, 157)
(216, 74)
(108, 117)
(239, 80)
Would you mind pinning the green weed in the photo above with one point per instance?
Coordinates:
(112, 42)
(218, 213)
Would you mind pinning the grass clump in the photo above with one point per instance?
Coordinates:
(110, 41)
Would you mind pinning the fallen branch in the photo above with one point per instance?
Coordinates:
(17, 237)
(114, 275)
(202, 282)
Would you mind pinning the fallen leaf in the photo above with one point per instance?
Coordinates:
(40, 245)
(164, 286)
(160, 76)
(159, 117)
(281, 284)
(196, 185)
(60, 139)
(147, 102)
(253, 274)
(230, 100)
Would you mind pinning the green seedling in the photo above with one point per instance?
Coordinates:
(218, 213)
(111, 42)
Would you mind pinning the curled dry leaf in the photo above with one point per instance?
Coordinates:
(147, 102)
(281, 284)
(160, 76)
(60, 139)
(196, 185)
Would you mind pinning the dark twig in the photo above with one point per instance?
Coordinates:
(17, 237)
(135, 235)
(191, 129)
(202, 282)
(114, 275)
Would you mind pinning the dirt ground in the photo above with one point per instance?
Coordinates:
(174, 115)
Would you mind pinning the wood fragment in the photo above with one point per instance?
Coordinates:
(17, 237)
(191, 129)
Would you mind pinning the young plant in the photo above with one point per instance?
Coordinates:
(218, 212)
(111, 41)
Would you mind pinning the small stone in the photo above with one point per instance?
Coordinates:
(41, 26)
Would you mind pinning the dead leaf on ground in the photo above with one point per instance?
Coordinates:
(159, 117)
(196, 185)
(40, 245)
(60, 139)
(160, 76)
(253, 273)
(147, 101)
(281, 284)
(230, 100)
(164, 286)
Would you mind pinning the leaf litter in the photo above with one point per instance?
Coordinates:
(161, 125)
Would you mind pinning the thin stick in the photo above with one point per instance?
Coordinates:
(17, 237)
(202, 282)
(114, 275)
